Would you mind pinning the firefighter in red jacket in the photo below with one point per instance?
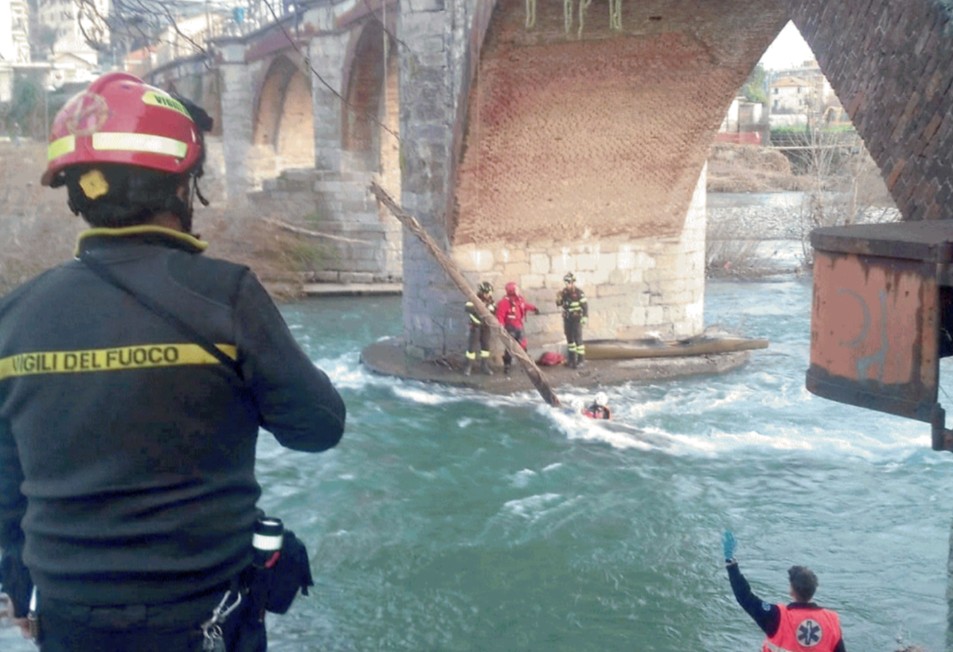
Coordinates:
(510, 311)
(479, 331)
(799, 626)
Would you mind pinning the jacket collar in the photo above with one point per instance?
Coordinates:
(101, 238)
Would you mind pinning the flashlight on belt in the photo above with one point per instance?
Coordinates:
(266, 541)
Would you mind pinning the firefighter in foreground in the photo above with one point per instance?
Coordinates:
(133, 382)
(479, 331)
(511, 311)
(575, 309)
(799, 626)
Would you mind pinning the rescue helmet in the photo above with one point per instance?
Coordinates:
(486, 287)
(122, 120)
(511, 289)
(601, 399)
(569, 277)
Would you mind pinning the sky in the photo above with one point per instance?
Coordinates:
(789, 50)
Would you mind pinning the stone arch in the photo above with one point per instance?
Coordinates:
(284, 125)
(599, 131)
(585, 151)
(370, 121)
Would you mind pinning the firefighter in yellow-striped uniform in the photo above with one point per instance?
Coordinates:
(575, 314)
(479, 331)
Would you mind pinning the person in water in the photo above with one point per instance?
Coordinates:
(599, 408)
(799, 626)
(133, 383)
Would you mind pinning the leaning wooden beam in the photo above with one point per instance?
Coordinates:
(535, 375)
(309, 232)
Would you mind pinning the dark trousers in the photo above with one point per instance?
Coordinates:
(517, 334)
(479, 336)
(174, 627)
(572, 328)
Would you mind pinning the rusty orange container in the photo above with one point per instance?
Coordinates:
(880, 317)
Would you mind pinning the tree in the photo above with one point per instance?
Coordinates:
(845, 187)
(755, 88)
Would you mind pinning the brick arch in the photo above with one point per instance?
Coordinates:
(602, 133)
(284, 125)
(371, 92)
(891, 66)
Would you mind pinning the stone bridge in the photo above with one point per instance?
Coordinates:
(534, 137)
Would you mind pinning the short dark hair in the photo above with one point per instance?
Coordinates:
(803, 582)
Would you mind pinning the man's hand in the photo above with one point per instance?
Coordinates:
(729, 544)
(585, 320)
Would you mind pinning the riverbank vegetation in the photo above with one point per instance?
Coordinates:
(829, 174)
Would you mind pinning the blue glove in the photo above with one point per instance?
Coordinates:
(729, 544)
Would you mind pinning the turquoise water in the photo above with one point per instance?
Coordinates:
(448, 520)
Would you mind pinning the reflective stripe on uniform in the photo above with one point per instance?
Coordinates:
(114, 359)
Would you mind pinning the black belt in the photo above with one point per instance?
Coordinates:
(192, 609)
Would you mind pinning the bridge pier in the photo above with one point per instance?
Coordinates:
(237, 125)
(429, 106)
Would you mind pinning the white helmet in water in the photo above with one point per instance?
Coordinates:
(601, 399)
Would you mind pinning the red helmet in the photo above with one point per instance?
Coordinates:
(511, 288)
(121, 119)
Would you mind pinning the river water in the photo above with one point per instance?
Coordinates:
(448, 520)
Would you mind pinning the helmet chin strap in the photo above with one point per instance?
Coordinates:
(183, 208)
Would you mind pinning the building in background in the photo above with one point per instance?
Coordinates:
(744, 123)
(73, 36)
(802, 96)
(14, 43)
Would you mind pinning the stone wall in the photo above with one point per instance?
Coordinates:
(634, 286)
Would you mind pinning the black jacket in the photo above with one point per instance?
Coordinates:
(135, 447)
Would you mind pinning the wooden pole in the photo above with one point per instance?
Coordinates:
(535, 375)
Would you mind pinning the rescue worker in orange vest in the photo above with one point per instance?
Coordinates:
(510, 311)
(575, 314)
(479, 331)
(799, 626)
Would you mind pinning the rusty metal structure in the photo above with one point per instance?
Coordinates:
(882, 316)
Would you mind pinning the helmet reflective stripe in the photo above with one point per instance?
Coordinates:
(61, 146)
(108, 140)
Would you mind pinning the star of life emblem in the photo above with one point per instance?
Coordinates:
(809, 633)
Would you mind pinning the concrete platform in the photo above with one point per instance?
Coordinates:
(350, 289)
(387, 357)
